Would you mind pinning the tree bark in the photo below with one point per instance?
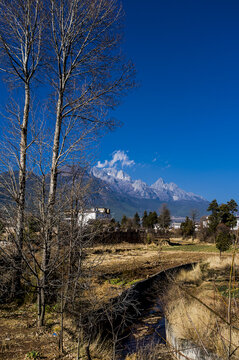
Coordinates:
(16, 291)
(53, 177)
(43, 306)
(88, 352)
(50, 207)
(38, 303)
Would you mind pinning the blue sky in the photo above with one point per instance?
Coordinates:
(182, 122)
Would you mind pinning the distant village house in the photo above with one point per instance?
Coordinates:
(95, 213)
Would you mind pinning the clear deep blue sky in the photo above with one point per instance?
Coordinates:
(182, 123)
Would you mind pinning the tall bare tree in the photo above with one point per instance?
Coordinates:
(88, 75)
(20, 50)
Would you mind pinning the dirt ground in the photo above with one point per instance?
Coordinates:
(136, 261)
(113, 269)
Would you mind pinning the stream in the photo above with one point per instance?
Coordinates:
(149, 329)
(149, 326)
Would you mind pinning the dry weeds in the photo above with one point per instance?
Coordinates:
(152, 351)
(194, 275)
(123, 261)
(215, 262)
(199, 311)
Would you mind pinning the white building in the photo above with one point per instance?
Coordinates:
(237, 225)
(93, 214)
(176, 222)
(175, 225)
(205, 221)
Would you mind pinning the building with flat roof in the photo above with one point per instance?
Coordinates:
(94, 213)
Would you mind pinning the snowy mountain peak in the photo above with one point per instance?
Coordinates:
(123, 176)
(122, 183)
(110, 173)
(159, 184)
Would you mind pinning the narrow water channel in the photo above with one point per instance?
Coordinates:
(149, 329)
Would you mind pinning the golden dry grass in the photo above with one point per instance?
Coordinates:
(135, 260)
(215, 262)
(187, 317)
(200, 313)
(152, 351)
(192, 320)
(124, 261)
(194, 275)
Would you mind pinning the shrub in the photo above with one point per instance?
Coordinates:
(224, 238)
(33, 355)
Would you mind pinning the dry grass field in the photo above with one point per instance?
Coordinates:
(203, 306)
(112, 268)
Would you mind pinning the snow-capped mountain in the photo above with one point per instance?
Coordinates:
(173, 191)
(122, 183)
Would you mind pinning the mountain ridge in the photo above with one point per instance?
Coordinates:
(116, 190)
(122, 182)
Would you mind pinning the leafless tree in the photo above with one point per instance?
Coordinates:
(88, 77)
(119, 317)
(194, 214)
(20, 51)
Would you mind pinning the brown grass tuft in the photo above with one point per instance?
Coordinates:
(215, 262)
(200, 313)
(194, 275)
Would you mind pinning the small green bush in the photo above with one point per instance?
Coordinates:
(149, 238)
(33, 354)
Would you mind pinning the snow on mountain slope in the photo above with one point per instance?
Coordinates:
(173, 191)
(121, 182)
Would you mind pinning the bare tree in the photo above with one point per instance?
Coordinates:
(20, 50)
(88, 74)
(194, 214)
(88, 77)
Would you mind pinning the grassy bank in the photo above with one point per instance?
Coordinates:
(202, 306)
(112, 269)
(208, 248)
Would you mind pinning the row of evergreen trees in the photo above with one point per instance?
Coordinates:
(149, 220)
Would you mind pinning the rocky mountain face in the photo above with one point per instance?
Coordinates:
(116, 190)
(122, 183)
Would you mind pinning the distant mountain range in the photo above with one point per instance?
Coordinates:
(122, 183)
(126, 196)
(116, 190)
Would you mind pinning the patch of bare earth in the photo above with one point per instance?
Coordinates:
(136, 261)
(19, 335)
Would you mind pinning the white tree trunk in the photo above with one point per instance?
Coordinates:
(21, 191)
